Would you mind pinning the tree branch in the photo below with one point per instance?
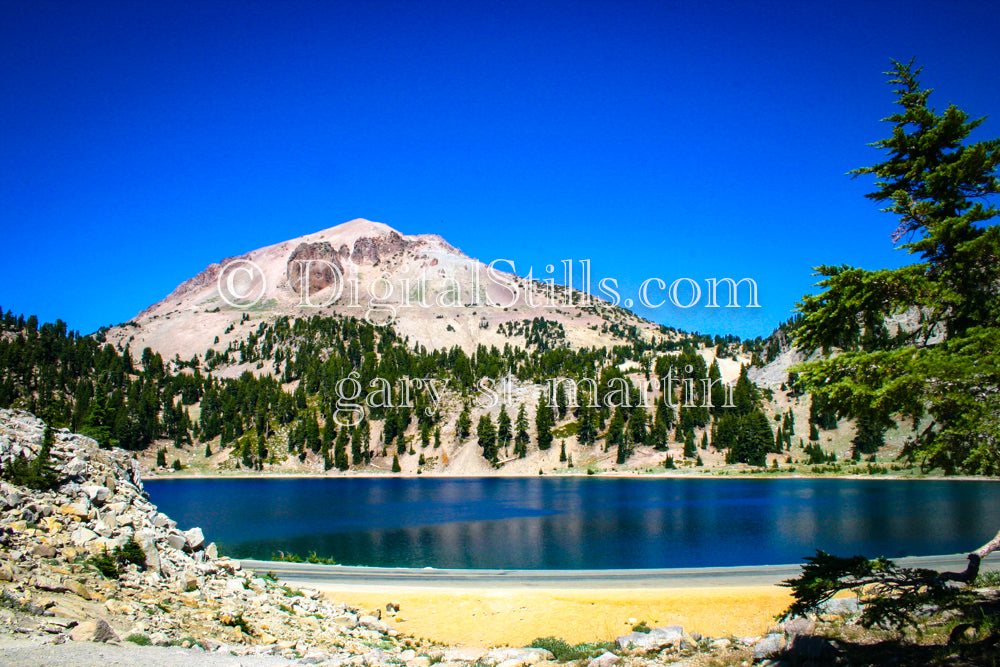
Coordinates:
(975, 558)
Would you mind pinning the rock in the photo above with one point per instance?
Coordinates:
(373, 623)
(74, 510)
(312, 267)
(43, 551)
(804, 647)
(654, 640)
(48, 584)
(347, 620)
(75, 467)
(515, 657)
(720, 644)
(235, 586)
(605, 659)
(159, 639)
(187, 582)
(146, 542)
(377, 658)
(195, 539)
(93, 631)
(103, 529)
(76, 587)
(841, 607)
(212, 551)
(82, 536)
(7, 572)
(176, 539)
(97, 494)
(768, 646)
(462, 654)
(392, 607)
(799, 626)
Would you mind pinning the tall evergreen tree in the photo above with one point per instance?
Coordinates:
(504, 432)
(487, 434)
(544, 422)
(521, 438)
(948, 366)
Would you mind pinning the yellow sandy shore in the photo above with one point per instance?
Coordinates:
(491, 617)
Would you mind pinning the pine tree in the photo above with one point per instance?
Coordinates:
(521, 438)
(504, 433)
(463, 427)
(813, 432)
(487, 436)
(562, 450)
(690, 451)
(940, 189)
(544, 423)
(340, 450)
(395, 463)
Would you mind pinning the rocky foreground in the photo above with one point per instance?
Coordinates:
(92, 562)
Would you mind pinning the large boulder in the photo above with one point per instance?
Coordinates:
(653, 640)
(93, 631)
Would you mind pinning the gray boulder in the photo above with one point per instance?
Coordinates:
(93, 631)
(768, 646)
(195, 539)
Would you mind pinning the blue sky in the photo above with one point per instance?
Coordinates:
(143, 141)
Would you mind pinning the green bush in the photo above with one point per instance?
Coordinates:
(106, 564)
(138, 639)
(565, 652)
(37, 474)
(131, 553)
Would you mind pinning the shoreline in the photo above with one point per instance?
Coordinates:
(476, 613)
(608, 475)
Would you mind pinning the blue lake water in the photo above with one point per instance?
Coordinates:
(582, 523)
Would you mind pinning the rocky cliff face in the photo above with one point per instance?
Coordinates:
(313, 266)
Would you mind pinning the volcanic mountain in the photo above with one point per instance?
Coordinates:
(430, 291)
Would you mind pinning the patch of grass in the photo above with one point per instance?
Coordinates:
(988, 579)
(640, 627)
(138, 639)
(564, 651)
(313, 558)
(292, 592)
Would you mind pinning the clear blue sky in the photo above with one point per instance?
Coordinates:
(142, 141)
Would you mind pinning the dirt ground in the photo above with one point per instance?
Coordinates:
(497, 617)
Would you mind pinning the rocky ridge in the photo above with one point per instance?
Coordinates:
(180, 592)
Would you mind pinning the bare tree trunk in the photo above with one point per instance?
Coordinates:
(975, 558)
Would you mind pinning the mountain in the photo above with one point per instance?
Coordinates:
(434, 295)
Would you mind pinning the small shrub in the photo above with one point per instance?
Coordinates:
(138, 639)
(565, 652)
(640, 627)
(131, 553)
(106, 564)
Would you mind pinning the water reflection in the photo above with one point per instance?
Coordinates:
(582, 523)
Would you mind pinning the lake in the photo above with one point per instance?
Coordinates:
(580, 522)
